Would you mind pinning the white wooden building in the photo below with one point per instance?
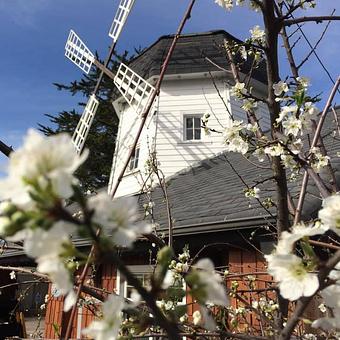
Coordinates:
(173, 130)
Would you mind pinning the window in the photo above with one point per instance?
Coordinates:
(192, 127)
(144, 279)
(134, 159)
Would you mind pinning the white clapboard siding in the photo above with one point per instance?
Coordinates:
(165, 129)
(128, 126)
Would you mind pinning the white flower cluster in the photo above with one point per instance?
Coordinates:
(41, 164)
(330, 218)
(118, 219)
(331, 297)
(238, 90)
(41, 176)
(229, 4)
(298, 277)
(107, 328)
(215, 291)
(212, 288)
(295, 277)
(257, 35)
(267, 306)
(318, 159)
(40, 173)
(252, 192)
(234, 137)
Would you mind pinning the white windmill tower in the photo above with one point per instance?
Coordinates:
(138, 93)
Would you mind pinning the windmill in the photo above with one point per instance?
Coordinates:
(136, 90)
(138, 93)
(133, 87)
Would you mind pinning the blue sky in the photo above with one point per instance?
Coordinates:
(33, 35)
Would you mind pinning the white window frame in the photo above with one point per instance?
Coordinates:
(184, 125)
(121, 283)
(134, 161)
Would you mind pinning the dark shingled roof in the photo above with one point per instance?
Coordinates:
(189, 56)
(209, 196)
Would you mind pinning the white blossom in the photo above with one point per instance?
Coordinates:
(299, 231)
(330, 213)
(296, 146)
(232, 138)
(226, 4)
(303, 81)
(238, 90)
(252, 192)
(215, 290)
(319, 160)
(331, 296)
(292, 126)
(169, 279)
(280, 87)
(288, 161)
(119, 218)
(274, 150)
(285, 111)
(243, 52)
(260, 154)
(197, 317)
(257, 34)
(46, 247)
(42, 161)
(249, 105)
(55, 268)
(293, 278)
(335, 273)
(253, 127)
(328, 324)
(311, 109)
(108, 327)
(322, 308)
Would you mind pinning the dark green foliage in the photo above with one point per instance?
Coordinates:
(94, 173)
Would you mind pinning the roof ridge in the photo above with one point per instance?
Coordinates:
(185, 35)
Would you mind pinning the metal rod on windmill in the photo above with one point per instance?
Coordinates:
(80, 54)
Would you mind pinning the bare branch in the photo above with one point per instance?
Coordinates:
(316, 44)
(317, 19)
(5, 149)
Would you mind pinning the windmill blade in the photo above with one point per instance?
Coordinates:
(120, 18)
(136, 90)
(85, 122)
(78, 53)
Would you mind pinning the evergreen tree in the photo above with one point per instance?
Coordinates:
(95, 172)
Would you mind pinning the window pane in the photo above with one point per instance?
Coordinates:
(189, 122)
(132, 161)
(197, 133)
(197, 122)
(189, 134)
